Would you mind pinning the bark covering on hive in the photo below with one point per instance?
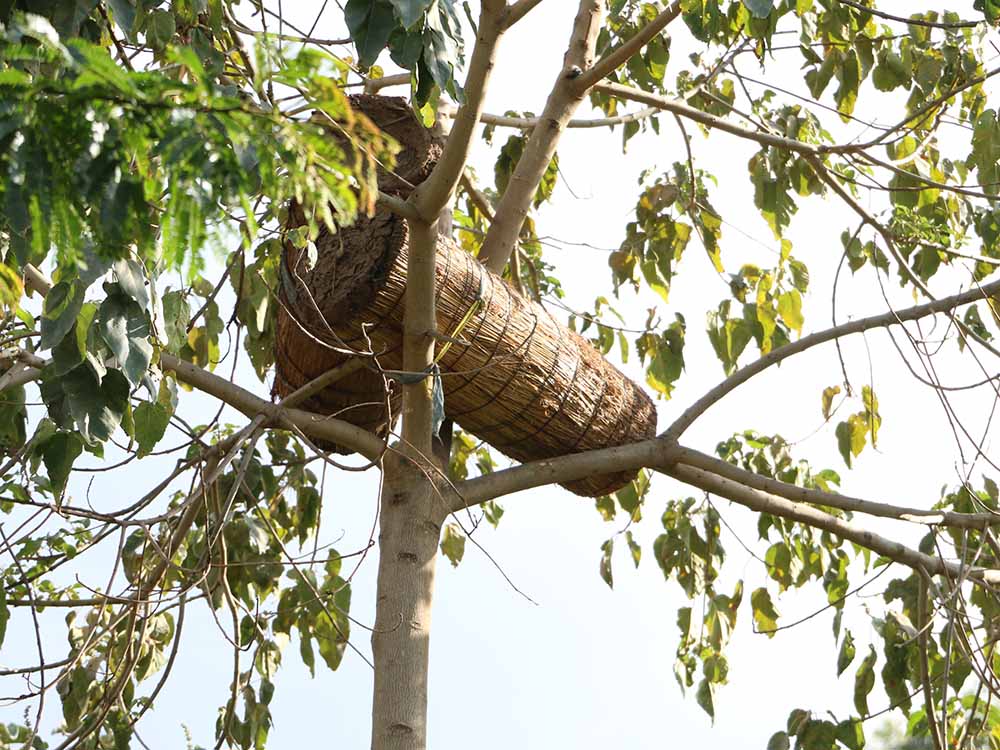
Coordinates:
(305, 346)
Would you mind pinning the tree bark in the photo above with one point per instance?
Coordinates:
(412, 512)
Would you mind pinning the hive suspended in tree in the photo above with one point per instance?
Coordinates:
(514, 376)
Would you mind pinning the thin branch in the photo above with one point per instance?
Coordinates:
(477, 196)
(890, 243)
(924, 623)
(315, 425)
(374, 85)
(519, 10)
(912, 21)
(300, 38)
(653, 453)
(925, 108)
(666, 456)
(659, 452)
(320, 382)
(563, 100)
(710, 121)
(621, 55)
(434, 193)
(399, 207)
(527, 123)
(798, 494)
(885, 320)
(763, 502)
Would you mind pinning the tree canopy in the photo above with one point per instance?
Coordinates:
(150, 152)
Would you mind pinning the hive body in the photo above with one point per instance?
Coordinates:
(513, 376)
(521, 380)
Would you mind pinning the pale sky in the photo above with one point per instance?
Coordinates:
(588, 667)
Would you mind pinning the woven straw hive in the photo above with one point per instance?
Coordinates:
(514, 377)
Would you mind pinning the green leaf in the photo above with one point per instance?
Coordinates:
(606, 574)
(410, 11)
(890, 72)
(704, 696)
(151, 420)
(729, 336)
(4, 614)
(818, 735)
(633, 548)
(990, 8)
(849, 75)
(176, 316)
(13, 419)
(123, 13)
(797, 721)
(828, 395)
(985, 156)
(72, 350)
(606, 507)
(631, 497)
(819, 78)
(790, 309)
(846, 655)
(493, 512)
(506, 163)
(59, 313)
(764, 614)
(58, 455)
(779, 561)
(851, 437)
(759, 8)
(666, 356)
(851, 734)
(331, 637)
(870, 414)
(778, 741)
(132, 280)
(370, 23)
(453, 544)
(96, 407)
(11, 288)
(160, 28)
(864, 681)
(800, 274)
(125, 329)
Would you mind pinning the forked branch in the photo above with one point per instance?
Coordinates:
(315, 425)
(763, 502)
(621, 55)
(563, 100)
(434, 193)
(663, 451)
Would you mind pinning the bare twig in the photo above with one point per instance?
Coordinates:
(538, 152)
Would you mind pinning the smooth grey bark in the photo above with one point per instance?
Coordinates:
(412, 513)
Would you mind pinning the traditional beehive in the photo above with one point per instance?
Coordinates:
(514, 376)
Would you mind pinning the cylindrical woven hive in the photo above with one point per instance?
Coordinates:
(520, 380)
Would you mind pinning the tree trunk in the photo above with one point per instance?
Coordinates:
(412, 512)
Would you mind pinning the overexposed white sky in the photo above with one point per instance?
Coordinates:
(584, 666)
